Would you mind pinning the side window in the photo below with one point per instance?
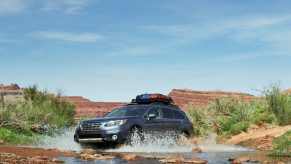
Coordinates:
(178, 115)
(156, 111)
(167, 112)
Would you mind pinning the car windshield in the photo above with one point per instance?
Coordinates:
(127, 111)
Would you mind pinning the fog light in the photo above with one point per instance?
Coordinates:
(114, 137)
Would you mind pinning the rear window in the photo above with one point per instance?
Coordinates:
(178, 115)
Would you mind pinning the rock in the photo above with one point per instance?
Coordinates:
(196, 150)
(86, 107)
(129, 157)
(88, 151)
(281, 162)
(69, 153)
(183, 98)
(92, 156)
(103, 157)
(87, 157)
(1, 142)
(195, 161)
(54, 160)
(167, 160)
(45, 158)
(181, 159)
(242, 159)
(173, 159)
(39, 128)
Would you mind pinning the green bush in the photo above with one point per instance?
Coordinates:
(282, 145)
(14, 137)
(200, 120)
(41, 110)
(231, 116)
(279, 104)
(239, 127)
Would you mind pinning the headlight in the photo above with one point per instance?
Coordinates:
(80, 125)
(114, 123)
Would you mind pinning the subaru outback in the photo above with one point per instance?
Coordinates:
(148, 113)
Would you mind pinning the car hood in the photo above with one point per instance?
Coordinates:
(105, 119)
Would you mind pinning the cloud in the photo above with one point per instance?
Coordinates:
(136, 51)
(67, 36)
(12, 6)
(212, 29)
(68, 6)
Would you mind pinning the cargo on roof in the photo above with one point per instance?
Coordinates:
(151, 98)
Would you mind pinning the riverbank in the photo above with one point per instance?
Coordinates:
(13, 154)
(39, 113)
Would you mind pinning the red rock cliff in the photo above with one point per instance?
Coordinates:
(183, 97)
(87, 108)
(288, 91)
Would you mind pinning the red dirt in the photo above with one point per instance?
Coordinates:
(259, 137)
(183, 97)
(288, 91)
(32, 152)
(11, 87)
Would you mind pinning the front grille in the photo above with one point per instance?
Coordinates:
(91, 126)
(81, 136)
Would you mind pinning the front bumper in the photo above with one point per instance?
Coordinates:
(117, 134)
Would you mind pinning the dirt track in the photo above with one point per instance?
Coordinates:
(259, 138)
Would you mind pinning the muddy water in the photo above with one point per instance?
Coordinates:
(152, 147)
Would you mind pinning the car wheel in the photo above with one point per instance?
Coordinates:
(76, 138)
(135, 136)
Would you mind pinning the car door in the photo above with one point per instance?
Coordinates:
(168, 122)
(154, 124)
(177, 121)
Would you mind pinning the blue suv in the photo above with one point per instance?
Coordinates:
(148, 113)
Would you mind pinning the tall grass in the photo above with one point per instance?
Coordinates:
(279, 104)
(201, 121)
(282, 145)
(40, 112)
(231, 116)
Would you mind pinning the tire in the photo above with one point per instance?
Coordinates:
(135, 136)
(76, 138)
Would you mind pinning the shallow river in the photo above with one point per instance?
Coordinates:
(154, 147)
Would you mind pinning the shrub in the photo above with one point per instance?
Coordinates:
(13, 137)
(231, 115)
(200, 120)
(282, 145)
(40, 111)
(279, 104)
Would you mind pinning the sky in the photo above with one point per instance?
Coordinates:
(110, 50)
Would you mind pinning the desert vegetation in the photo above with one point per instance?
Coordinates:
(39, 113)
(228, 117)
(282, 145)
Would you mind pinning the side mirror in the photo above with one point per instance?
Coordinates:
(152, 116)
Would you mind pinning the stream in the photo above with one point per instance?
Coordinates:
(153, 147)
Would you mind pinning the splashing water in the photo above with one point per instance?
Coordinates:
(154, 143)
(62, 141)
(210, 145)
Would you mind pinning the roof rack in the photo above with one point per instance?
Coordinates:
(152, 98)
